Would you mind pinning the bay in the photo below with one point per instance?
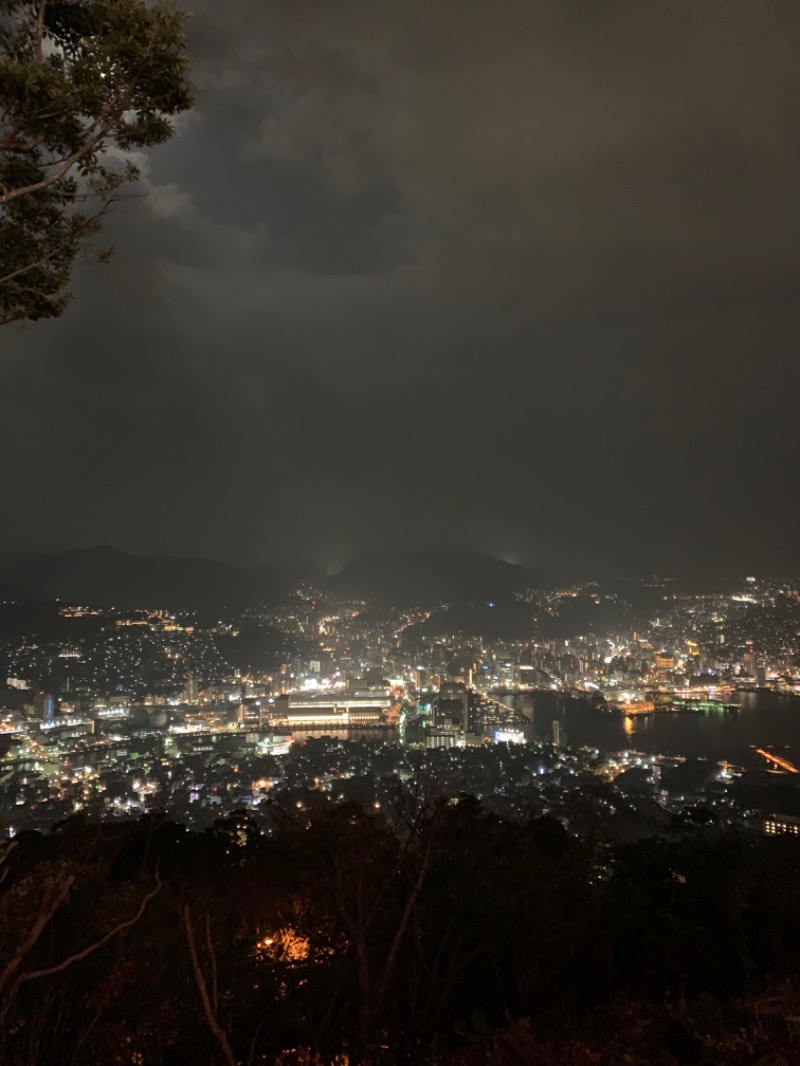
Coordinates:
(763, 720)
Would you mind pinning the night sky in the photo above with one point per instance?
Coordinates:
(520, 277)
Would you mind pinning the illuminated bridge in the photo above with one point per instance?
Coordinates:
(779, 761)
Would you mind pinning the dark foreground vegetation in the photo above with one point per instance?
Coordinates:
(439, 935)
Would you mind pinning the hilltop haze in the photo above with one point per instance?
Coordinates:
(432, 575)
(107, 576)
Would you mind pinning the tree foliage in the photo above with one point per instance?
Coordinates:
(82, 83)
(439, 935)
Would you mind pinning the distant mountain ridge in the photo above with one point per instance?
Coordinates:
(113, 578)
(432, 575)
(110, 577)
(9, 594)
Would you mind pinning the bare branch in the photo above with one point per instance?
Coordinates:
(213, 958)
(5, 851)
(40, 31)
(79, 956)
(46, 911)
(208, 1010)
(411, 902)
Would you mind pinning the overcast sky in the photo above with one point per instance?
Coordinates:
(516, 276)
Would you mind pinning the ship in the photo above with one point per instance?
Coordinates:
(703, 706)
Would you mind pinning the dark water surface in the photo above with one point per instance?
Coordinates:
(763, 720)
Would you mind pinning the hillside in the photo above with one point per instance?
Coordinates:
(432, 575)
(110, 577)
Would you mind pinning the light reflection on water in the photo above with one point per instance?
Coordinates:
(764, 720)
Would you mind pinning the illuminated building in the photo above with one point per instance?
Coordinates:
(559, 734)
(510, 736)
(782, 825)
(749, 659)
(332, 709)
(44, 706)
(274, 744)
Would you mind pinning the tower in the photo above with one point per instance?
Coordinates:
(44, 706)
(557, 726)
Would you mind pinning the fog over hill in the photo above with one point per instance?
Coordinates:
(107, 576)
(9, 594)
(432, 575)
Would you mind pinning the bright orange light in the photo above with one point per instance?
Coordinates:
(784, 764)
(284, 945)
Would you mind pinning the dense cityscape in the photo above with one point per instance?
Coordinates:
(555, 826)
(320, 701)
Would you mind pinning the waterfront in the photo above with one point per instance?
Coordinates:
(763, 720)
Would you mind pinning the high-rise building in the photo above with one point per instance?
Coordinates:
(44, 706)
(749, 659)
(452, 706)
(559, 734)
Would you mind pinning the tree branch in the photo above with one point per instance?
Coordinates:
(411, 835)
(79, 956)
(86, 228)
(411, 902)
(202, 988)
(213, 957)
(94, 135)
(40, 31)
(28, 266)
(11, 143)
(46, 912)
(5, 851)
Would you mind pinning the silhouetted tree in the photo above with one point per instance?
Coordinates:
(82, 84)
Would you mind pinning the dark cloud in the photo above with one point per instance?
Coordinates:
(518, 276)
